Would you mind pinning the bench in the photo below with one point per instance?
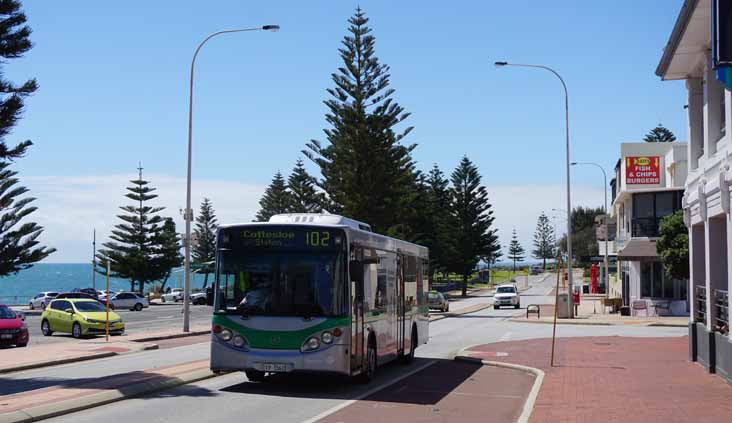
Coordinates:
(638, 306)
(662, 305)
(533, 308)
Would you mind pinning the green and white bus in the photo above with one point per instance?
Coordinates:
(315, 293)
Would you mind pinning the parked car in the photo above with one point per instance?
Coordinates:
(40, 300)
(198, 298)
(175, 295)
(79, 295)
(79, 317)
(13, 330)
(535, 270)
(128, 300)
(436, 300)
(506, 295)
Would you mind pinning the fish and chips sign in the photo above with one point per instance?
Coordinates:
(644, 170)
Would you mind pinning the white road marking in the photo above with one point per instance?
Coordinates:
(374, 390)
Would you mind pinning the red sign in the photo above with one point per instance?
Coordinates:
(642, 170)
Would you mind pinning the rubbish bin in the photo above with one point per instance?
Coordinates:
(625, 311)
(563, 304)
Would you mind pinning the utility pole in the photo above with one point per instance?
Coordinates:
(94, 260)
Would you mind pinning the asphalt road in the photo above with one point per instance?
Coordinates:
(155, 318)
(287, 399)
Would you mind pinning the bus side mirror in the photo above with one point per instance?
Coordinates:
(209, 296)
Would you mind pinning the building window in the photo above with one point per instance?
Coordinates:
(649, 208)
(656, 284)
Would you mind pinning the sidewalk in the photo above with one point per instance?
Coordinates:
(617, 379)
(447, 391)
(587, 317)
(35, 356)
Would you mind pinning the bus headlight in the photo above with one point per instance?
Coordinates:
(327, 337)
(225, 335)
(311, 344)
(239, 342)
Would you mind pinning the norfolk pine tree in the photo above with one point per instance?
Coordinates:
(276, 199)
(170, 245)
(516, 252)
(304, 196)
(472, 236)
(544, 240)
(204, 251)
(367, 173)
(437, 213)
(19, 246)
(136, 243)
(659, 134)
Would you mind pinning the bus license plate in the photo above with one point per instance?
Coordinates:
(275, 367)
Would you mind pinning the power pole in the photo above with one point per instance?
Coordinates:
(94, 260)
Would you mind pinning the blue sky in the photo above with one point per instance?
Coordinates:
(113, 91)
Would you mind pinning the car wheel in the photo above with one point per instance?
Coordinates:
(255, 375)
(517, 306)
(76, 331)
(162, 299)
(138, 307)
(370, 370)
(495, 307)
(46, 328)
(447, 308)
(30, 306)
(21, 345)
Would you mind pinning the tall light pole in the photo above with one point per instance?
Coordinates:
(188, 213)
(604, 181)
(569, 202)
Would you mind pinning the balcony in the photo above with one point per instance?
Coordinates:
(645, 227)
(721, 314)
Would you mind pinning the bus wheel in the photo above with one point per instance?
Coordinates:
(368, 373)
(407, 358)
(255, 375)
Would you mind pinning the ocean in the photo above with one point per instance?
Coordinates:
(20, 288)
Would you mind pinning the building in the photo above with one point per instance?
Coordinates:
(648, 185)
(690, 56)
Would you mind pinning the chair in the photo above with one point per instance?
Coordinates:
(638, 306)
(662, 305)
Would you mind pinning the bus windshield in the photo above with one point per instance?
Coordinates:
(285, 276)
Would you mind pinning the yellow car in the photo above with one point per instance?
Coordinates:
(79, 317)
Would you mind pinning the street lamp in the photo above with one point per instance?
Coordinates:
(604, 179)
(569, 202)
(188, 214)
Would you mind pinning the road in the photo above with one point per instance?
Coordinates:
(155, 318)
(230, 397)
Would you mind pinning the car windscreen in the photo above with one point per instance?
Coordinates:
(6, 313)
(89, 306)
(506, 290)
(51, 294)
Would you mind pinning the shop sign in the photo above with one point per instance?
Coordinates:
(645, 170)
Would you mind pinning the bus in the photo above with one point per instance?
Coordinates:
(315, 293)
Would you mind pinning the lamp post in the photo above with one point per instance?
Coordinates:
(188, 213)
(604, 179)
(569, 202)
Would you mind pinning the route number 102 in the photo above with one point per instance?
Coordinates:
(317, 239)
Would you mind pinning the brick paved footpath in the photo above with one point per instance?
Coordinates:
(618, 379)
(447, 391)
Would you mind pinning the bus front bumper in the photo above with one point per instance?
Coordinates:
(333, 359)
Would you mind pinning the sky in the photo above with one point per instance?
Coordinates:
(113, 93)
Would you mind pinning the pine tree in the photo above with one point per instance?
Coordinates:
(14, 41)
(136, 243)
(472, 216)
(276, 199)
(19, 246)
(204, 250)
(544, 240)
(303, 194)
(170, 245)
(366, 171)
(439, 221)
(660, 134)
(516, 252)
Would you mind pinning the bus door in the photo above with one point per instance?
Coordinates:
(357, 312)
(400, 304)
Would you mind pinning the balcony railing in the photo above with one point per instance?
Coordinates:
(721, 313)
(700, 304)
(645, 227)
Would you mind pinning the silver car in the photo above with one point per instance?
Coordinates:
(129, 300)
(506, 295)
(438, 301)
(41, 300)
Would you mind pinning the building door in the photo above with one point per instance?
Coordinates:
(626, 289)
(400, 304)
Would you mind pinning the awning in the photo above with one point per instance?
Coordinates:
(639, 250)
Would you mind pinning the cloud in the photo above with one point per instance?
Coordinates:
(70, 207)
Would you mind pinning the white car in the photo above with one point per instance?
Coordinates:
(175, 295)
(41, 300)
(129, 300)
(506, 295)
(198, 298)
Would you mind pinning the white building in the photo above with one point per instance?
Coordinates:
(648, 185)
(706, 201)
